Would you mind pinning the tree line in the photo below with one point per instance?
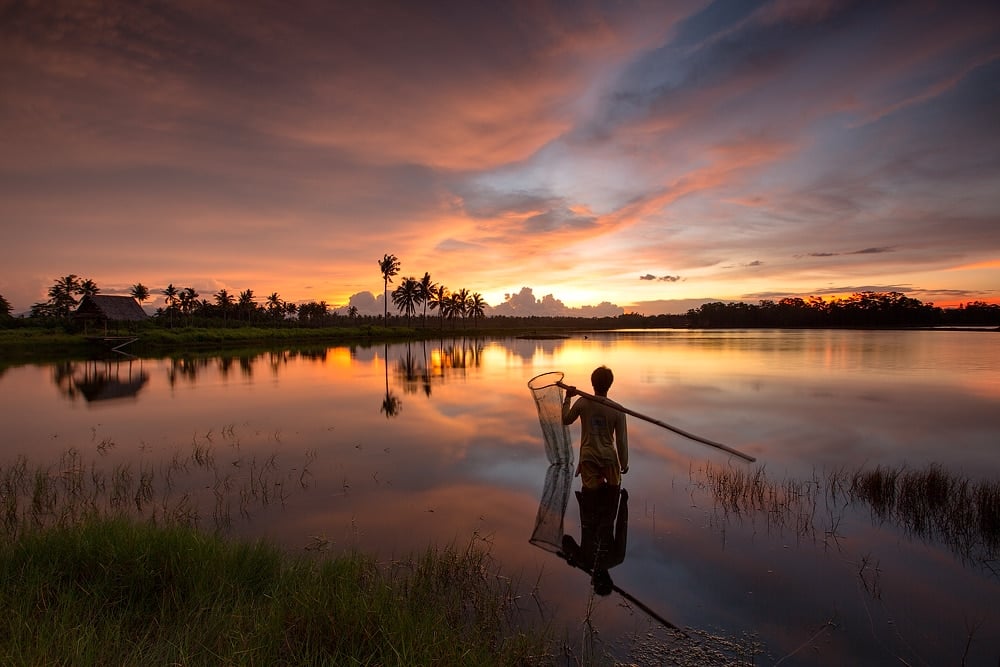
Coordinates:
(414, 296)
(184, 305)
(861, 309)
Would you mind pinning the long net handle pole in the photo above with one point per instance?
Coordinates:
(651, 420)
(631, 598)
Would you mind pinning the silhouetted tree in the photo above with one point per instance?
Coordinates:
(406, 297)
(224, 300)
(88, 288)
(477, 306)
(5, 307)
(62, 295)
(247, 304)
(389, 266)
(440, 301)
(427, 287)
(140, 293)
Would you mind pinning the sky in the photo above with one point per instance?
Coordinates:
(586, 158)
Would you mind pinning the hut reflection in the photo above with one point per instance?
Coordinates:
(97, 380)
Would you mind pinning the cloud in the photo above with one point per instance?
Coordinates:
(863, 251)
(255, 146)
(524, 304)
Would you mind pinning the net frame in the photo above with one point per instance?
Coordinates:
(548, 393)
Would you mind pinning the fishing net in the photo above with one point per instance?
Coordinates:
(549, 532)
(548, 397)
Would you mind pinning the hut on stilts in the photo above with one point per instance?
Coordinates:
(110, 310)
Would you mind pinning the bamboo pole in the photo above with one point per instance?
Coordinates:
(651, 420)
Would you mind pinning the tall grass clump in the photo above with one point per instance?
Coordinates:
(118, 591)
(930, 503)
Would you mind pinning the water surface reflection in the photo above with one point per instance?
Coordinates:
(389, 448)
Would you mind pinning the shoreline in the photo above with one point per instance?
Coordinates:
(35, 344)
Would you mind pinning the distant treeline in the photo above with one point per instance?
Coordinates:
(860, 310)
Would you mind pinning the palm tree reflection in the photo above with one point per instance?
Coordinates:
(391, 405)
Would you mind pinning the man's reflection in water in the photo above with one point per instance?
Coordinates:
(603, 535)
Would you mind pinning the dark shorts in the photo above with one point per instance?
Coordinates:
(595, 475)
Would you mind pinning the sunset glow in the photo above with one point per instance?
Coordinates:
(572, 158)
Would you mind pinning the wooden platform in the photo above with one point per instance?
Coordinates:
(113, 342)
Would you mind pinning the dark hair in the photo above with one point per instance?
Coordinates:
(603, 585)
(602, 378)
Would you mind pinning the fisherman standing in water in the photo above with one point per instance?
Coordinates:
(603, 503)
(603, 435)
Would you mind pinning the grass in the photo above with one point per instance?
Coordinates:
(929, 503)
(116, 591)
(115, 563)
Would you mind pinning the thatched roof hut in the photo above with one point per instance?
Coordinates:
(115, 309)
(110, 309)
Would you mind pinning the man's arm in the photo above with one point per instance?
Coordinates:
(569, 414)
(621, 442)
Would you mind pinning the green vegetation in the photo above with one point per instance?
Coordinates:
(929, 503)
(103, 563)
(862, 309)
(110, 591)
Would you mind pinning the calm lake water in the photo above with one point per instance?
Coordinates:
(390, 449)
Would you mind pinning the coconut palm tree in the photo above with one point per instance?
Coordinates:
(439, 300)
(275, 306)
(389, 266)
(61, 295)
(427, 287)
(391, 405)
(224, 300)
(461, 299)
(169, 295)
(88, 288)
(140, 293)
(247, 304)
(450, 307)
(406, 297)
(188, 301)
(477, 307)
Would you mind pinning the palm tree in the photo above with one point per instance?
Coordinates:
(352, 312)
(170, 295)
(275, 306)
(389, 265)
(140, 293)
(188, 299)
(427, 287)
(449, 308)
(88, 288)
(391, 405)
(246, 303)
(461, 299)
(170, 299)
(406, 297)
(224, 300)
(439, 300)
(61, 295)
(477, 306)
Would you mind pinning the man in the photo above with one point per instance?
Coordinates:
(603, 435)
